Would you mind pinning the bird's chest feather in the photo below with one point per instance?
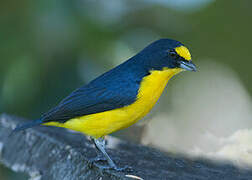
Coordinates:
(100, 124)
(150, 90)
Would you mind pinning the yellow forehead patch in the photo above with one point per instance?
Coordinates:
(183, 52)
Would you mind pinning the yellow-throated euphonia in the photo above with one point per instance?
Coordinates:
(121, 96)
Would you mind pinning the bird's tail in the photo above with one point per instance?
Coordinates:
(27, 125)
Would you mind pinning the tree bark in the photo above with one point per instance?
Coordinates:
(50, 153)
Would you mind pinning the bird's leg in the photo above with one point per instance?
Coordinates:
(100, 156)
(100, 145)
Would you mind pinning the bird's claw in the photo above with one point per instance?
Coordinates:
(103, 168)
(123, 169)
(97, 159)
(119, 169)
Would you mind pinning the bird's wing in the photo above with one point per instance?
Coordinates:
(90, 100)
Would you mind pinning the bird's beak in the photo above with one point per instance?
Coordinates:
(187, 65)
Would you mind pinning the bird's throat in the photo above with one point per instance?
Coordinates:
(153, 85)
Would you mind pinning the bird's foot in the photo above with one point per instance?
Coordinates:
(99, 162)
(97, 159)
(119, 169)
(123, 169)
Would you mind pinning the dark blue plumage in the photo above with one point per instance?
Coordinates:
(142, 78)
(116, 88)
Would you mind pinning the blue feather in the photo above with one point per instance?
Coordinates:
(27, 125)
(114, 89)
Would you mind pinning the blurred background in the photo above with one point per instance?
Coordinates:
(49, 48)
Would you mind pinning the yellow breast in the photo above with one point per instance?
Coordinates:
(100, 124)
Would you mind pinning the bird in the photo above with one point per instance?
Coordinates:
(120, 97)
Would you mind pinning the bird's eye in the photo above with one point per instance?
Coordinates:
(172, 53)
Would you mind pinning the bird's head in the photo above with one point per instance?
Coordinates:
(167, 54)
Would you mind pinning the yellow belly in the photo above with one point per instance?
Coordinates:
(100, 124)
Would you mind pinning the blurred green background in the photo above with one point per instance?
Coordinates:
(48, 48)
